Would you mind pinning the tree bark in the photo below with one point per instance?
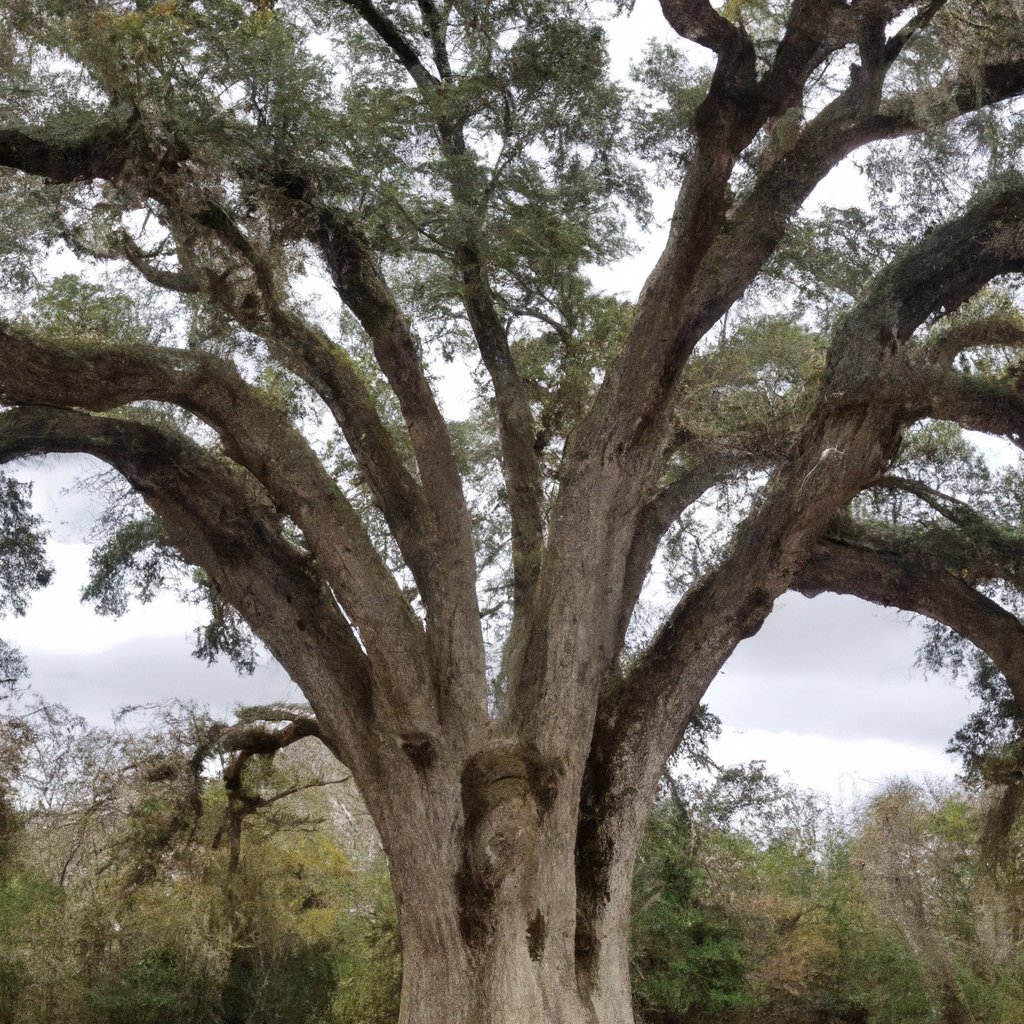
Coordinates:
(482, 852)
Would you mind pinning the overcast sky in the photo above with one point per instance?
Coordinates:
(827, 691)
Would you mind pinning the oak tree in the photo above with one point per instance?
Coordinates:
(288, 216)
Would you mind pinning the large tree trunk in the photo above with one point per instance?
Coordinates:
(483, 858)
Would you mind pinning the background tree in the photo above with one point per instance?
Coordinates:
(132, 892)
(454, 598)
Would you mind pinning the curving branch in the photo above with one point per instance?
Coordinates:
(1002, 329)
(699, 22)
(396, 41)
(849, 122)
(100, 377)
(664, 509)
(245, 741)
(846, 444)
(922, 583)
(315, 359)
(219, 520)
(958, 512)
(431, 523)
(301, 348)
(613, 458)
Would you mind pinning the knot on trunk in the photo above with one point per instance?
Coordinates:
(506, 791)
(500, 812)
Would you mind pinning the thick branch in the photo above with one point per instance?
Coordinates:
(699, 22)
(848, 442)
(258, 738)
(1002, 329)
(667, 327)
(612, 459)
(100, 154)
(302, 349)
(100, 377)
(975, 402)
(658, 515)
(451, 594)
(958, 512)
(221, 523)
(917, 583)
(518, 432)
(430, 524)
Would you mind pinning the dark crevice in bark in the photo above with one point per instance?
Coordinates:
(536, 933)
(476, 900)
(420, 750)
(594, 856)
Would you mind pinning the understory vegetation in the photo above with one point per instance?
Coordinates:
(158, 872)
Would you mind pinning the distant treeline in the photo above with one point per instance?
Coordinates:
(159, 873)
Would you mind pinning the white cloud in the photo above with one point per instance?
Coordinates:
(151, 670)
(846, 769)
(829, 692)
(58, 623)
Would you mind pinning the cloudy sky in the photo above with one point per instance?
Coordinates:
(827, 691)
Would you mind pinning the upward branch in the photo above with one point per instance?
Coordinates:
(846, 444)
(469, 197)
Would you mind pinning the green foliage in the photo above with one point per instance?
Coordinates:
(670, 90)
(368, 954)
(135, 561)
(23, 564)
(151, 924)
(687, 961)
(130, 563)
(753, 904)
(77, 312)
(225, 633)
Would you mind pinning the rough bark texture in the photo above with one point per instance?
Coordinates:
(511, 825)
